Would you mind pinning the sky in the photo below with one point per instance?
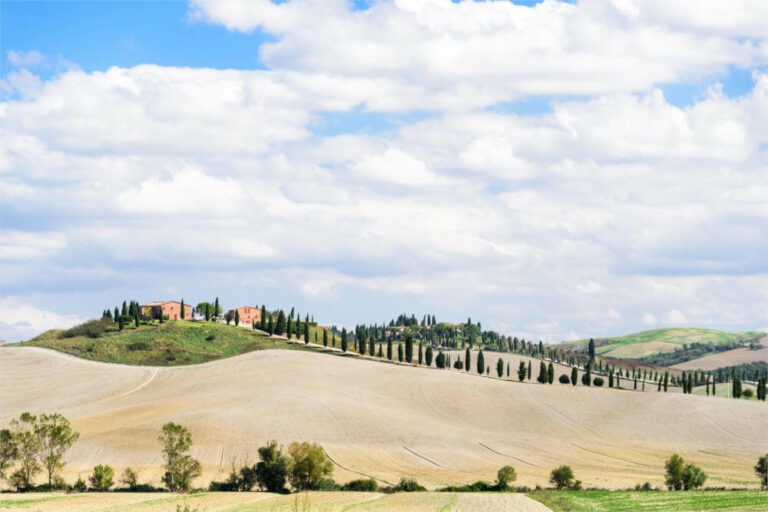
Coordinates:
(555, 170)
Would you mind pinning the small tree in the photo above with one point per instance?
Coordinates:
(574, 375)
(310, 466)
(504, 477)
(408, 348)
(428, 355)
(480, 362)
(129, 478)
(273, 468)
(325, 338)
(389, 349)
(761, 468)
(183, 312)
(263, 319)
(56, 437)
(674, 472)
(500, 367)
(400, 352)
(180, 467)
(237, 318)
(542, 378)
(344, 341)
(562, 477)
(8, 451)
(306, 333)
(467, 359)
(421, 353)
(101, 479)
(28, 446)
(550, 373)
(693, 477)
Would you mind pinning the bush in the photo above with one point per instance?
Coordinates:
(89, 329)
(564, 379)
(101, 479)
(273, 469)
(747, 393)
(459, 364)
(210, 338)
(644, 487)
(598, 381)
(562, 477)
(80, 485)
(406, 485)
(504, 476)
(362, 485)
(310, 466)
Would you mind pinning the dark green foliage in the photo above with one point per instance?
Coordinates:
(591, 349)
(325, 338)
(80, 485)
(421, 353)
(263, 320)
(529, 370)
(428, 355)
(610, 379)
(574, 375)
(504, 477)
(761, 468)
(440, 360)
(273, 468)
(408, 348)
(521, 371)
(306, 333)
(564, 379)
(389, 349)
(8, 451)
(467, 359)
(562, 477)
(400, 352)
(674, 472)
(480, 362)
(372, 347)
(598, 381)
(459, 365)
(91, 329)
(543, 377)
(666, 381)
(406, 485)
(693, 477)
(500, 367)
(237, 318)
(550, 373)
(362, 485)
(344, 341)
(280, 328)
(183, 312)
(289, 327)
(588, 374)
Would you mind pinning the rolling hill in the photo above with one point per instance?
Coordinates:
(383, 420)
(658, 341)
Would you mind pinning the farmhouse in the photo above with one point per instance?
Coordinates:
(248, 314)
(169, 308)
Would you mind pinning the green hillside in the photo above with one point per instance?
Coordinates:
(659, 341)
(167, 344)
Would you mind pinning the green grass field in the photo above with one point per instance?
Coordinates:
(641, 344)
(170, 344)
(632, 501)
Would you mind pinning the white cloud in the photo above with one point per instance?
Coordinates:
(20, 320)
(24, 59)
(19, 245)
(675, 317)
(650, 319)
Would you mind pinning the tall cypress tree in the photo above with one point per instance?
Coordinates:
(280, 328)
(588, 375)
(542, 377)
(371, 346)
(666, 381)
(421, 353)
(306, 333)
(237, 317)
(120, 323)
(409, 348)
(550, 373)
(480, 362)
(574, 375)
(428, 356)
(361, 345)
(216, 308)
(529, 370)
(467, 359)
(344, 339)
(183, 313)
(325, 338)
(389, 349)
(263, 317)
(521, 371)
(400, 352)
(289, 328)
(271, 326)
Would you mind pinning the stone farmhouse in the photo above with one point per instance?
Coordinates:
(169, 308)
(248, 314)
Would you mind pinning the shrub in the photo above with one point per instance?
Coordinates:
(564, 379)
(406, 485)
(273, 469)
(89, 329)
(693, 477)
(310, 465)
(504, 476)
(362, 485)
(101, 479)
(210, 338)
(562, 477)
(80, 485)
(747, 393)
(598, 381)
(458, 364)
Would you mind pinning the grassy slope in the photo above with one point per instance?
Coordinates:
(661, 339)
(630, 501)
(169, 344)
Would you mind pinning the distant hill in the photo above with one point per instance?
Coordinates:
(172, 343)
(661, 341)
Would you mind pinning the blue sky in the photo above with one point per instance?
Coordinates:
(460, 158)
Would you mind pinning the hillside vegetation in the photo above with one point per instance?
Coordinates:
(161, 344)
(660, 341)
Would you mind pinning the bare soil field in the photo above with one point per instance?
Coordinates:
(263, 502)
(388, 421)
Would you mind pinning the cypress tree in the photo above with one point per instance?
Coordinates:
(237, 318)
(207, 312)
(117, 315)
(216, 308)
(428, 355)
(183, 313)
(162, 316)
(421, 353)
(306, 333)
(591, 349)
(333, 340)
(467, 359)
(707, 387)
(666, 381)
(500, 367)
(521, 371)
(280, 328)
(659, 389)
(588, 374)
(610, 379)
(136, 321)
(124, 311)
(264, 320)
(480, 362)
(714, 393)
(361, 345)
(529, 370)
(120, 323)
(271, 326)
(408, 348)
(542, 378)
(344, 341)
(371, 346)
(389, 349)
(551, 373)
(574, 375)
(635, 384)
(289, 328)
(325, 338)
(507, 369)
(400, 352)
(690, 384)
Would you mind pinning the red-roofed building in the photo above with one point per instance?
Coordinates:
(169, 308)
(248, 315)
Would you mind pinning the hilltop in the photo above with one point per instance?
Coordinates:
(176, 343)
(644, 344)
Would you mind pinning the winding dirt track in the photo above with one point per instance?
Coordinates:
(388, 421)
